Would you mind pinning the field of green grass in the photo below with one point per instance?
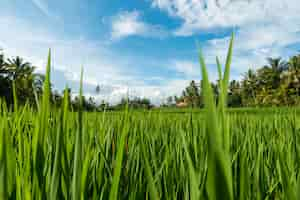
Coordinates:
(214, 153)
(155, 150)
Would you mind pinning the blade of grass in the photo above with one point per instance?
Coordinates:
(76, 183)
(150, 180)
(194, 182)
(56, 175)
(113, 195)
(219, 178)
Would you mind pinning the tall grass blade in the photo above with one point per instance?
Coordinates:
(15, 97)
(56, 174)
(219, 178)
(113, 195)
(193, 177)
(151, 183)
(3, 164)
(76, 183)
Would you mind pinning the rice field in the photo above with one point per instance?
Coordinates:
(216, 153)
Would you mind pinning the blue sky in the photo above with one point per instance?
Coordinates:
(145, 47)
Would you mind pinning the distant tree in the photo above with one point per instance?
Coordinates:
(27, 82)
(97, 89)
(170, 101)
(275, 84)
(134, 103)
(91, 104)
(215, 89)
(5, 83)
(3, 65)
(191, 95)
(249, 86)
(103, 106)
(234, 94)
(290, 86)
(18, 68)
(276, 66)
(294, 74)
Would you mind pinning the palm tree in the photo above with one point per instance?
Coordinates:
(277, 64)
(192, 94)
(18, 68)
(27, 82)
(234, 96)
(274, 70)
(2, 63)
(294, 68)
(269, 82)
(3, 66)
(5, 85)
(97, 89)
(294, 77)
(249, 85)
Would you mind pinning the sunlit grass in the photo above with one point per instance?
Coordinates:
(188, 154)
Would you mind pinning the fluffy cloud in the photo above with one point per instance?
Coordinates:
(253, 44)
(209, 14)
(127, 24)
(115, 76)
(264, 28)
(186, 67)
(156, 94)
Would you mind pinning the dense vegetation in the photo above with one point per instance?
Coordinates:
(56, 153)
(276, 84)
(17, 71)
(28, 85)
(264, 154)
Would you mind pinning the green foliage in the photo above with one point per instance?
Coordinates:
(215, 153)
(78, 153)
(171, 159)
(276, 84)
(219, 178)
(180, 162)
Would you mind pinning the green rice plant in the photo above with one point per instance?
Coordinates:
(219, 178)
(194, 182)
(151, 184)
(15, 97)
(77, 170)
(119, 158)
(41, 130)
(3, 165)
(210, 153)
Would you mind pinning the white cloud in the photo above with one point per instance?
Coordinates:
(186, 67)
(159, 93)
(264, 28)
(156, 93)
(68, 55)
(252, 45)
(209, 14)
(127, 24)
(115, 76)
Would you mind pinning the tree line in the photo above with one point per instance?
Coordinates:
(16, 73)
(274, 84)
